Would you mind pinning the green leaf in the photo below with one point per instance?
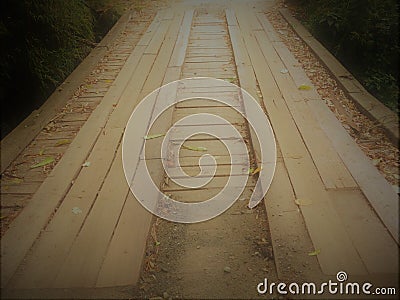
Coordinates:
(62, 142)
(46, 161)
(303, 202)
(16, 181)
(231, 80)
(194, 148)
(41, 152)
(153, 136)
(314, 253)
(256, 171)
(304, 87)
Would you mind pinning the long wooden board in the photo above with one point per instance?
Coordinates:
(19, 238)
(371, 182)
(378, 191)
(330, 166)
(321, 219)
(123, 261)
(68, 277)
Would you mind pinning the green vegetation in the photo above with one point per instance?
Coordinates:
(363, 34)
(41, 42)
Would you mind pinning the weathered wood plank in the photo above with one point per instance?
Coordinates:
(178, 56)
(378, 191)
(124, 256)
(41, 265)
(378, 250)
(330, 166)
(288, 230)
(19, 238)
(83, 262)
(68, 276)
(321, 220)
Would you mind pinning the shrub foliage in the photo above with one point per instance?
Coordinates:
(363, 34)
(41, 42)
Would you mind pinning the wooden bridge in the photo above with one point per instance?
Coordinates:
(81, 227)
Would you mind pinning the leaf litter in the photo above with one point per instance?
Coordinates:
(369, 135)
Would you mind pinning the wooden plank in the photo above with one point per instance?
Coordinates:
(189, 196)
(330, 166)
(205, 52)
(327, 232)
(230, 17)
(378, 250)
(155, 43)
(210, 43)
(19, 238)
(168, 14)
(209, 29)
(299, 77)
(368, 104)
(162, 62)
(227, 113)
(123, 261)
(14, 200)
(199, 59)
(221, 160)
(204, 36)
(42, 263)
(216, 183)
(180, 133)
(222, 171)
(20, 188)
(125, 253)
(378, 191)
(247, 78)
(207, 73)
(150, 32)
(268, 28)
(206, 64)
(288, 230)
(178, 55)
(248, 82)
(119, 115)
(83, 262)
